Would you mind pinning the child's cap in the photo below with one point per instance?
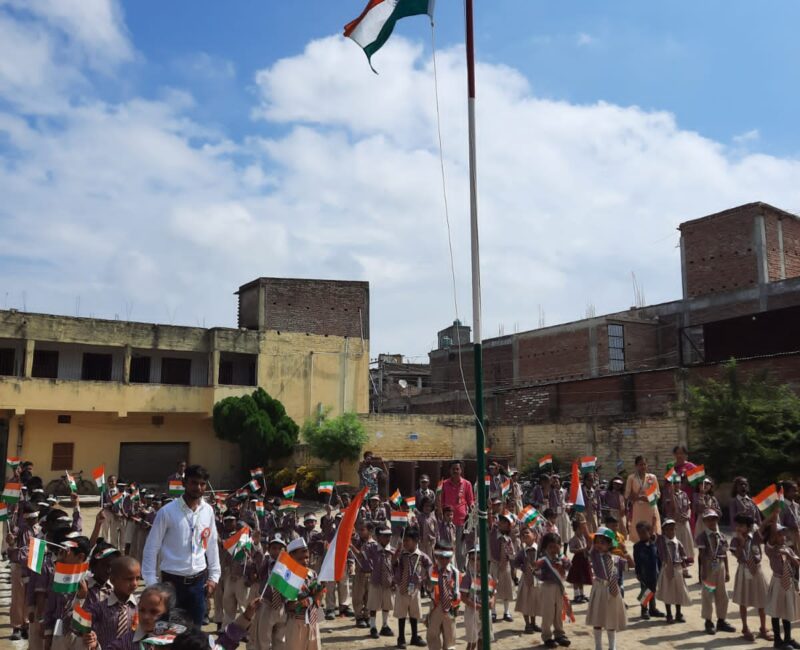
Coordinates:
(708, 480)
(710, 514)
(617, 480)
(668, 522)
(277, 540)
(496, 500)
(609, 534)
(385, 531)
(443, 549)
(226, 517)
(297, 545)
(779, 527)
(310, 516)
(374, 497)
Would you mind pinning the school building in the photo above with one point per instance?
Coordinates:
(77, 392)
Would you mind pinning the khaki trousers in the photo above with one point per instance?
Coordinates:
(441, 630)
(552, 604)
(300, 636)
(337, 591)
(717, 600)
(234, 599)
(17, 613)
(360, 591)
(268, 631)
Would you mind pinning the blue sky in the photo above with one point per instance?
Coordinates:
(723, 68)
(156, 155)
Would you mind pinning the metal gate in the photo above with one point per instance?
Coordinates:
(150, 463)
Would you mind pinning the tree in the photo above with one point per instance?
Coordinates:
(259, 424)
(747, 427)
(335, 439)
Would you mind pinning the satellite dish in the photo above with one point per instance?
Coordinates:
(403, 383)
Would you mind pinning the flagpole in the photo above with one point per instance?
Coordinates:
(480, 441)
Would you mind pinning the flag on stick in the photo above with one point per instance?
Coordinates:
(3, 511)
(411, 502)
(175, 488)
(289, 490)
(696, 474)
(528, 515)
(326, 487)
(545, 461)
(651, 494)
(13, 462)
(99, 476)
(396, 498)
(288, 505)
(645, 596)
(258, 472)
(576, 490)
(11, 492)
(67, 577)
(768, 499)
(81, 620)
(287, 576)
(36, 549)
(334, 563)
(399, 518)
(71, 482)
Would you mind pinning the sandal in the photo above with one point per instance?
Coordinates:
(748, 635)
(765, 634)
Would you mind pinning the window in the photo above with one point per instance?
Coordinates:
(62, 456)
(45, 364)
(177, 372)
(251, 374)
(7, 361)
(96, 367)
(226, 373)
(616, 348)
(65, 419)
(140, 370)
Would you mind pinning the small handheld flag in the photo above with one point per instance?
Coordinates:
(545, 461)
(99, 476)
(36, 549)
(288, 505)
(326, 487)
(768, 499)
(709, 586)
(12, 492)
(254, 486)
(116, 498)
(528, 515)
(175, 488)
(67, 577)
(13, 462)
(289, 490)
(260, 508)
(487, 480)
(239, 542)
(672, 476)
(651, 494)
(588, 464)
(399, 518)
(3, 511)
(696, 474)
(287, 576)
(505, 488)
(411, 502)
(81, 620)
(258, 472)
(70, 482)
(396, 498)
(576, 490)
(439, 487)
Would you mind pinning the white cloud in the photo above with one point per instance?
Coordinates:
(583, 39)
(748, 137)
(136, 203)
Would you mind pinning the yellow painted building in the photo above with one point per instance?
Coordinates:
(78, 392)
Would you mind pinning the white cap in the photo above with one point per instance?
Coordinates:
(297, 544)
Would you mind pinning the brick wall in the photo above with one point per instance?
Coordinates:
(325, 307)
(559, 356)
(791, 247)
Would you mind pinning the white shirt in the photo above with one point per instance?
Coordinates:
(185, 540)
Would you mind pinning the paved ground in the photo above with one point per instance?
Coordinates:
(342, 635)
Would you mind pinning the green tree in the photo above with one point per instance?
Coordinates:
(335, 439)
(747, 427)
(259, 424)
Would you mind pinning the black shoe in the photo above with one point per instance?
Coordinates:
(724, 626)
(346, 611)
(551, 643)
(16, 634)
(494, 617)
(401, 644)
(386, 631)
(24, 632)
(710, 629)
(219, 628)
(330, 616)
(790, 643)
(777, 643)
(528, 628)
(536, 628)
(508, 618)
(657, 613)
(679, 618)
(516, 581)
(373, 632)
(645, 614)
(563, 641)
(418, 641)
(669, 619)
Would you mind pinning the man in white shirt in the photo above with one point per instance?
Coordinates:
(184, 539)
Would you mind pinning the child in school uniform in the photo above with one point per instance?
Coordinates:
(741, 503)
(304, 614)
(471, 597)
(362, 548)
(410, 570)
(749, 585)
(580, 573)
(58, 607)
(713, 560)
(269, 623)
(114, 619)
(790, 514)
(381, 583)
(501, 556)
(676, 504)
(671, 587)
(704, 499)
(783, 605)
(606, 606)
(428, 525)
(444, 585)
(550, 522)
(557, 503)
(528, 601)
(647, 565)
(621, 549)
(551, 571)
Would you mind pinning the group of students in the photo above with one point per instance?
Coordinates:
(536, 550)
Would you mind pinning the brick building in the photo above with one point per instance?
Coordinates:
(608, 385)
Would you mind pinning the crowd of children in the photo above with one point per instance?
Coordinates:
(404, 558)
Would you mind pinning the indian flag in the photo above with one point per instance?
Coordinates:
(439, 488)
(289, 490)
(254, 486)
(238, 542)
(576, 491)
(3, 512)
(768, 498)
(588, 464)
(13, 462)
(672, 476)
(544, 461)
(709, 586)
(334, 564)
(645, 596)
(399, 518)
(81, 620)
(505, 487)
(287, 577)
(161, 639)
(342, 484)
(288, 505)
(11, 492)
(528, 515)
(326, 487)
(487, 480)
(99, 476)
(375, 24)
(651, 494)
(71, 482)
(175, 488)
(116, 498)
(411, 502)
(135, 494)
(260, 508)
(396, 498)
(258, 472)
(696, 474)
(67, 577)
(36, 549)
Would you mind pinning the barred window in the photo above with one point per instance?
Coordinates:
(616, 348)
